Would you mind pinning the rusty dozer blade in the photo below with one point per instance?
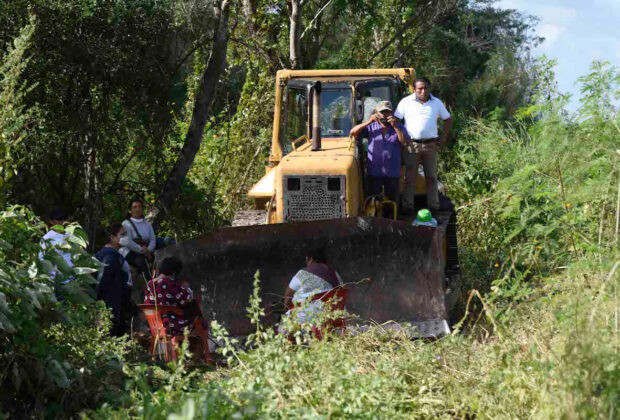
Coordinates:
(394, 271)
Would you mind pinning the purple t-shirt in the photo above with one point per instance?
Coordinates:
(383, 150)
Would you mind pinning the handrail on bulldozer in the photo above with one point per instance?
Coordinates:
(351, 142)
(294, 142)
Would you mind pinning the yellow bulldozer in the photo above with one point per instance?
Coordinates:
(313, 195)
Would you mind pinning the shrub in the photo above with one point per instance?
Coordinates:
(56, 354)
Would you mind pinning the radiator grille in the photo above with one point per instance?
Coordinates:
(316, 198)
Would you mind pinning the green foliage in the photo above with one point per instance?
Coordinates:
(14, 118)
(544, 187)
(548, 347)
(104, 83)
(56, 354)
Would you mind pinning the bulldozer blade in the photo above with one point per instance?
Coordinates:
(394, 271)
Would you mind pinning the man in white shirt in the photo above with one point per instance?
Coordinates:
(58, 218)
(420, 112)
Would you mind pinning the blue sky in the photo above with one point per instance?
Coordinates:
(577, 32)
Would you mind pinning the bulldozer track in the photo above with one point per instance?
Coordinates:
(250, 218)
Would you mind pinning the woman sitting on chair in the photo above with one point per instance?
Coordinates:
(317, 277)
(167, 290)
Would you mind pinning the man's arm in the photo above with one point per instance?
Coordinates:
(151, 246)
(355, 131)
(400, 110)
(447, 125)
(288, 297)
(402, 137)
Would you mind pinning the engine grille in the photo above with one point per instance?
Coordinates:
(313, 197)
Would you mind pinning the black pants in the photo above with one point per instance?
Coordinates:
(388, 184)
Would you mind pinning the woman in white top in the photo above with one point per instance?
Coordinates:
(138, 243)
(316, 277)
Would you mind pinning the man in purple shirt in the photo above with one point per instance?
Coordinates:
(385, 136)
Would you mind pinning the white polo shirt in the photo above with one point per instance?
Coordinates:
(421, 118)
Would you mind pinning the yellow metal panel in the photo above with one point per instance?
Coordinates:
(400, 72)
(276, 151)
(265, 188)
(334, 158)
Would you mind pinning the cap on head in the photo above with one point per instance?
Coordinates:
(383, 106)
(424, 215)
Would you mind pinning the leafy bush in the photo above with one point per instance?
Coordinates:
(56, 354)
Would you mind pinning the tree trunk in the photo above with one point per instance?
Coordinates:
(249, 7)
(200, 113)
(294, 34)
(92, 194)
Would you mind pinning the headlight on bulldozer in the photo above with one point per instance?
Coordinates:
(293, 184)
(333, 184)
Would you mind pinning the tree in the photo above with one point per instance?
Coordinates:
(200, 113)
(14, 117)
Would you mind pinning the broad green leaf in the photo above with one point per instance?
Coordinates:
(54, 370)
(6, 324)
(84, 270)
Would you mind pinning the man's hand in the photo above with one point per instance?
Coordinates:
(373, 118)
(392, 120)
(144, 250)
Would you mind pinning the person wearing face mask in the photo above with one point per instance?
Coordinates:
(138, 243)
(114, 287)
(421, 110)
(385, 136)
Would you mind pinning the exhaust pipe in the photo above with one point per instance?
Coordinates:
(316, 117)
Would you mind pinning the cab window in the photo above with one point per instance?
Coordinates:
(294, 117)
(335, 111)
(369, 94)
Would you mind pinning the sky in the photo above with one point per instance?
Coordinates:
(576, 32)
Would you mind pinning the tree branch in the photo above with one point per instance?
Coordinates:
(257, 48)
(311, 24)
(433, 6)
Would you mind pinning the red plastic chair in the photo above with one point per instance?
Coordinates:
(162, 344)
(336, 298)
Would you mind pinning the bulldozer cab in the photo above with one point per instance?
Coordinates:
(346, 100)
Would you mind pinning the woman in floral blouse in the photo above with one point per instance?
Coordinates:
(167, 290)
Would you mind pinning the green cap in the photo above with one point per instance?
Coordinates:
(424, 215)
